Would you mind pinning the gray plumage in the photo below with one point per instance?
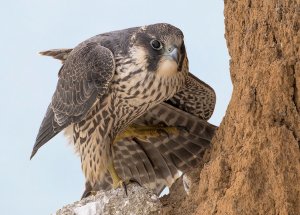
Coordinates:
(115, 79)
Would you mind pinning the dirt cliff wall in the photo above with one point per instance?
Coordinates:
(255, 161)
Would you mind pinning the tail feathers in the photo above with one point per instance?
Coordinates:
(60, 54)
(158, 161)
(140, 160)
(164, 169)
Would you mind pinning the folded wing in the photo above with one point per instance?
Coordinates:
(84, 77)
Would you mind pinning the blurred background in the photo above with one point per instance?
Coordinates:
(53, 178)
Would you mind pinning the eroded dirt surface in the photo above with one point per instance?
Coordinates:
(254, 166)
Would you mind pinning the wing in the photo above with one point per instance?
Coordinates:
(196, 98)
(60, 54)
(158, 162)
(84, 77)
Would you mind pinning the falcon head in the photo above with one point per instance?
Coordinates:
(160, 47)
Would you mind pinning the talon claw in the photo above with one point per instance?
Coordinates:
(125, 184)
(132, 180)
(125, 188)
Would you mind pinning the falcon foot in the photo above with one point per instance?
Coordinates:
(87, 194)
(117, 181)
(124, 184)
(146, 132)
(88, 191)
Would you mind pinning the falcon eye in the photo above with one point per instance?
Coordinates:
(156, 44)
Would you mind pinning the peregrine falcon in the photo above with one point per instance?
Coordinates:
(128, 103)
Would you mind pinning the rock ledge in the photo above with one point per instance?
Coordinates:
(139, 201)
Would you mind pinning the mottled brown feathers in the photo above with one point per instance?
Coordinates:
(114, 79)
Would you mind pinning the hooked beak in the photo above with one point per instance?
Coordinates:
(174, 54)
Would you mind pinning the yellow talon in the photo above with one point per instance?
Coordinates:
(93, 193)
(146, 132)
(117, 181)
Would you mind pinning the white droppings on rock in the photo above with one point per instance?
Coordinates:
(88, 209)
(187, 183)
(154, 197)
(139, 201)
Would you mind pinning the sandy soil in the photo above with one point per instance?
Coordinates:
(254, 167)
